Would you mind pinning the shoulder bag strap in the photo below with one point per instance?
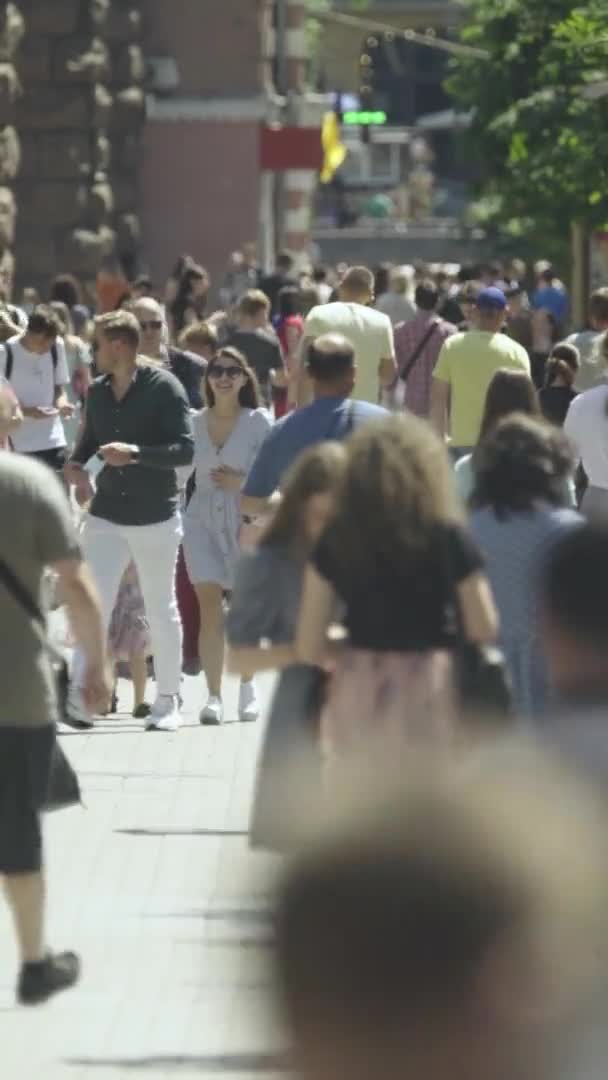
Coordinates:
(54, 355)
(27, 603)
(10, 357)
(405, 372)
(349, 427)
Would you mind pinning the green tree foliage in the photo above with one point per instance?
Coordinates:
(540, 143)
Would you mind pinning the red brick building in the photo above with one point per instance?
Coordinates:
(201, 187)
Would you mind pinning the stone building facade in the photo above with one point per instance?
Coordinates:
(72, 109)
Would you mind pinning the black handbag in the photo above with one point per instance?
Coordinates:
(483, 681)
(63, 788)
(482, 677)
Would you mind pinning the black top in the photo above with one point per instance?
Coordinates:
(272, 285)
(263, 352)
(153, 415)
(409, 608)
(189, 369)
(555, 402)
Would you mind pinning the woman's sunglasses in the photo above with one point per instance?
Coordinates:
(217, 371)
(152, 324)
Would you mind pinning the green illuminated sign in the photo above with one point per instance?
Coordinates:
(365, 118)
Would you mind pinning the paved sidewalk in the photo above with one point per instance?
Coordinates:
(155, 886)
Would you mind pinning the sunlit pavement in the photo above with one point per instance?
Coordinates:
(153, 883)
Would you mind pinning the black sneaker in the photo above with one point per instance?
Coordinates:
(38, 982)
(142, 711)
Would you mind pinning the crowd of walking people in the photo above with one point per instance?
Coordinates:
(396, 499)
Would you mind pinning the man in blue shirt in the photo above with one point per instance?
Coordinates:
(332, 368)
(551, 296)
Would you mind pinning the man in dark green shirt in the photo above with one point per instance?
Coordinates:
(138, 423)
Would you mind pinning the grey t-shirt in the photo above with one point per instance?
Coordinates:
(266, 597)
(36, 531)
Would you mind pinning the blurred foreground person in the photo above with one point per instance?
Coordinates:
(575, 592)
(575, 639)
(36, 534)
(448, 932)
(261, 629)
(399, 559)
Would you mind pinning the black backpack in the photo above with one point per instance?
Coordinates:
(10, 359)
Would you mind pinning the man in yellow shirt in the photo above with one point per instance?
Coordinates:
(464, 370)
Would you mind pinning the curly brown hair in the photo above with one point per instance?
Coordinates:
(522, 462)
(397, 488)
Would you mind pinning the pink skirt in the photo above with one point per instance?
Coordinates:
(382, 703)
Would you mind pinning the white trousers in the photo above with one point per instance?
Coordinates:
(108, 550)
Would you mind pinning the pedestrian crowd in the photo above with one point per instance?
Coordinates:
(395, 496)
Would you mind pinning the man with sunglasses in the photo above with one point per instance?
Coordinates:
(188, 368)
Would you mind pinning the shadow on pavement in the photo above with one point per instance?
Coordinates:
(182, 832)
(221, 1063)
(257, 916)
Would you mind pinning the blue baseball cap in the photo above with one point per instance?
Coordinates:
(492, 299)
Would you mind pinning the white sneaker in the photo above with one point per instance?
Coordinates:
(165, 714)
(249, 710)
(213, 713)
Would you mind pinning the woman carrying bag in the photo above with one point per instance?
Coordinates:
(396, 528)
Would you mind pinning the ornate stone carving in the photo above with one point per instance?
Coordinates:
(8, 218)
(82, 69)
(12, 28)
(10, 154)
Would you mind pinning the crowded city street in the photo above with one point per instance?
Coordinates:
(303, 539)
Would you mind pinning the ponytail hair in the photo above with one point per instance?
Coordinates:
(563, 363)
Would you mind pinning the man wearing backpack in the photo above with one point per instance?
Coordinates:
(34, 363)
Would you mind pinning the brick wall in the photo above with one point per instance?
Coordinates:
(200, 182)
(216, 44)
(200, 192)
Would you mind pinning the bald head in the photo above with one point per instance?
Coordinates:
(357, 285)
(332, 365)
(148, 308)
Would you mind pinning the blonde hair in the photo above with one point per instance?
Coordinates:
(198, 333)
(357, 281)
(253, 302)
(119, 326)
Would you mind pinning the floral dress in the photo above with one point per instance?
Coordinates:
(129, 633)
